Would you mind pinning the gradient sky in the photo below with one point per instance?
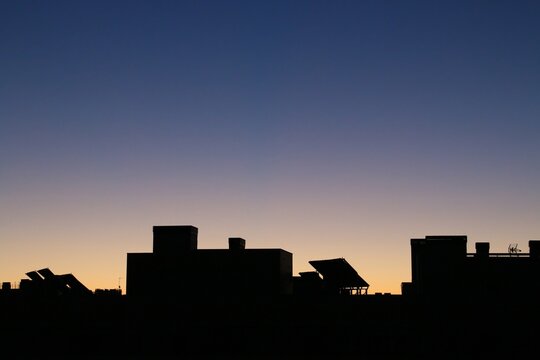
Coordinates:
(327, 128)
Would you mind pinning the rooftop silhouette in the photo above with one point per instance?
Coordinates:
(237, 302)
(178, 271)
(442, 269)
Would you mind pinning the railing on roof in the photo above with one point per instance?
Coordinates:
(501, 255)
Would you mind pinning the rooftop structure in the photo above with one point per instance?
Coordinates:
(332, 277)
(178, 270)
(442, 268)
(340, 277)
(44, 283)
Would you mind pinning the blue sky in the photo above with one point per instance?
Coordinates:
(330, 129)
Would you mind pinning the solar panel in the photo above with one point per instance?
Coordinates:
(339, 273)
(34, 276)
(47, 274)
(74, 284)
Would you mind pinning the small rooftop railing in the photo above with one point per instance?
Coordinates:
(501, 255)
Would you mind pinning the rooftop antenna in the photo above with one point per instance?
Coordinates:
(513, 249)
(119, 287)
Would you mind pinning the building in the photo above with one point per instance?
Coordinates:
(338, 278)
(177, 270)
(441, 269)
(44, 283)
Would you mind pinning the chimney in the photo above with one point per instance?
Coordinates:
(236, 243)
(534, 249)
(177, 239)
(482, 250)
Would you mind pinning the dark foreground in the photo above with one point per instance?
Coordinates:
(366, 327)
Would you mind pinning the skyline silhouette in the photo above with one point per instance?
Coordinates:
(363, 176)
(348, 128)
(183, 301)
(183, 239)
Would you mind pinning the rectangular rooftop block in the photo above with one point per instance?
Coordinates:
(170, 240)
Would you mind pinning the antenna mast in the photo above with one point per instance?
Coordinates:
(513, 249)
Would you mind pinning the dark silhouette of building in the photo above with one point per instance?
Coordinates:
(240, 303)
(44, 283)
(338, 278)
(442, 269)
(178, 270)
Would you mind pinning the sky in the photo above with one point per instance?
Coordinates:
(326, 128)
